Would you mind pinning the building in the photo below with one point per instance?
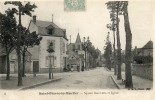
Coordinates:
(146, 50)
(13, 61)
(75, 53)
(143, 65)
(49, 32)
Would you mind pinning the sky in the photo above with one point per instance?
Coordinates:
(92, 22)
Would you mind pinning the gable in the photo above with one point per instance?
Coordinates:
(148, 45)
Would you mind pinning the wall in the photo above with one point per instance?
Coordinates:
(43, 53)
(143, 70)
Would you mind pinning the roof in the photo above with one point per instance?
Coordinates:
(43, 27)
(73, 55)
(45, 23)
(34, 52)
(78, 39)
(148, 45)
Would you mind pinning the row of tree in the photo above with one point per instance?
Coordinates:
(14, 36)
(117, 8)
(91, 52)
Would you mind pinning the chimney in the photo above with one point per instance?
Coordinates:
(34, 19)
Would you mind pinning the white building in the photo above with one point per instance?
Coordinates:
(49, 32)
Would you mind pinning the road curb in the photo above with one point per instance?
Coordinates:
(118, 86)
(39, 84)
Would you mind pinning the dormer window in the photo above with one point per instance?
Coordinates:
(50, 31)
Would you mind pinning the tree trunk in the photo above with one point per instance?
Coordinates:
(23, 71)
(128, 75)
(119, 76)
(18, 51)
(85, 60)
(114, 54)
(8, 65)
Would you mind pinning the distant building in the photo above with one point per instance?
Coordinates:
(144, 67)
(49, 32)
(146, 50)
(75, 53)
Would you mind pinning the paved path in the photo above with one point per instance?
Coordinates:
(98, 78)
(138, 82)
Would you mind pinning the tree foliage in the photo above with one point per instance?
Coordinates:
(108, 52)
(8, 34)
(22, 8)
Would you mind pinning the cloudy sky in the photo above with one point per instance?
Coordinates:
(92, 22)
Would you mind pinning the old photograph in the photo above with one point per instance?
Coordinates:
(76, 44)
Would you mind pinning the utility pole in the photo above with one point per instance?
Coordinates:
(18, 50)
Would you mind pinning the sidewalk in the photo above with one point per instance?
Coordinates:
(139, 83)
(28, 82)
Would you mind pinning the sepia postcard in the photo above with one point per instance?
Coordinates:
(77, 49)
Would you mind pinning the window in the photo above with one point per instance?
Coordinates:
(50, 31)
(48, 43)
(53, 61)
(63, 47)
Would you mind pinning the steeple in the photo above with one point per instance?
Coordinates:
(78, 39)
(52, 18)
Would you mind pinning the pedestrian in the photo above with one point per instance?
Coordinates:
(82, 69)
(78, 68)
(72, 68)
(68, 69)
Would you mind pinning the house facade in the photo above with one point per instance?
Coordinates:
(13, 61)
(49, 32)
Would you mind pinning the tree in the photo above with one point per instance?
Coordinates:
(22, 9)
(8, 34)
(107, 53)
(121, 8)
(128, 75)
(29, 40)
(115, 10)
(112, 27)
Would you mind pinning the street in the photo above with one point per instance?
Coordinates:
(98, 78)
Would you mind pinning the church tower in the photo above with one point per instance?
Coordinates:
(78, 39)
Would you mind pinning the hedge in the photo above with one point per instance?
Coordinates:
(143, 59)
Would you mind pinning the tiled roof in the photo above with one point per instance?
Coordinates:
(43, 27)
(148, 45)
(45, 24)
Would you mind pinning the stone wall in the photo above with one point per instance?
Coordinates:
(143, 70)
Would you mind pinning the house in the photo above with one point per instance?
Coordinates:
(75, 53)
(146, 50)
(49, 32)
(13, 61)
(143, 65)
